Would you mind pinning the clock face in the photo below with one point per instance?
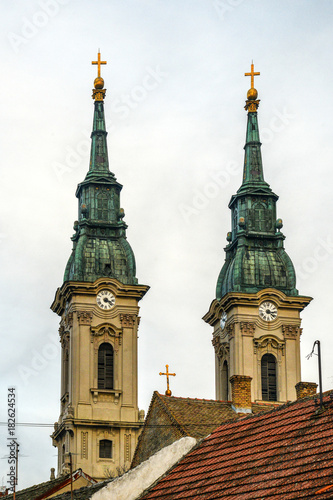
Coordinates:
(267, 311)
(223, 320)
(105, 300)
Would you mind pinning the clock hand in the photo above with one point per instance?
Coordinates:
(107, 300)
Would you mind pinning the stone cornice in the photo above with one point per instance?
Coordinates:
(85, 288)
(298, 302)
(70, 423)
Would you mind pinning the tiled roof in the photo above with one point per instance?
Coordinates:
(83, 493)
(197, 417)
(285, 453)
(39, 490)
(44, 490)
(169, 418)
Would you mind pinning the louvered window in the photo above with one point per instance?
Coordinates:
(105, 366)
(105, 448)
(268, 377)
(102, 206)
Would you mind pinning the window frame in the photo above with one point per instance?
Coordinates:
(105, 366)
(270, 385)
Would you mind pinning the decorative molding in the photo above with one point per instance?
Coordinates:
(105, 395)
(247, 329)
(69, 320)
(216, 344)
(84, 445)
(291, 331)
(127, 320)
(268, 345)
(103, 434)
(64, 340)
(223, 353)
(127, 447)
(106, 331)
(221, 349)
(230, 330)
(84, 317)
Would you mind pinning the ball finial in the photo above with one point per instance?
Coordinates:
(99, 82)
(252, 94)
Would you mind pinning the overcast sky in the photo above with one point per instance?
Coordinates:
(175, 115)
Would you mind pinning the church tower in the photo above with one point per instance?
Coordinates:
(256, 312)
(98, 307)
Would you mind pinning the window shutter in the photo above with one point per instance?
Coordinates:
(268, 377)
(105, 366)
(105, 448)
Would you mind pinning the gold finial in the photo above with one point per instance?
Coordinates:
(98, 62)
(98, 92)
(252, 75)
(168, 392)
(252, 104)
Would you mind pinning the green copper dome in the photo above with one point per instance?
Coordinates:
(255, 256)
(100, 247)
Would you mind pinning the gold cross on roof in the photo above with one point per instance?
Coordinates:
(98, 62)
(168, 392)
(252, 75)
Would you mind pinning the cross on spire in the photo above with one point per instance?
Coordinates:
(98, 62)
(168, 374)
(252, 74)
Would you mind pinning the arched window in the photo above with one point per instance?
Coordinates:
(224, 381)
(105, 366)
(105, 448)
(268, 377)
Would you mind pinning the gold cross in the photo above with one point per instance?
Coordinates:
(167, 392)
(252, 75)
(98, 62)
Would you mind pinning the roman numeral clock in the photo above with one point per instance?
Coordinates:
(105, 300)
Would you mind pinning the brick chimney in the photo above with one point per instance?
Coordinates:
(241, 393)
(304, 389)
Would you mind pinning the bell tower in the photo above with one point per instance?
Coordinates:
(99, 421)
(256, 312)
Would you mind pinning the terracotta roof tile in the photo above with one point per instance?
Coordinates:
(39, 490)
(198, 417)
(169, 418)
(48, 488)
(285, 453)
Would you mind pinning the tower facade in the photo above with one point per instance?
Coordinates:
(256, 312)
(99, 420)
